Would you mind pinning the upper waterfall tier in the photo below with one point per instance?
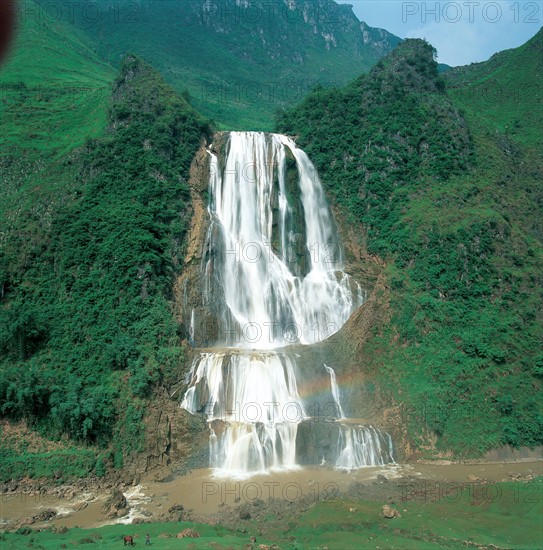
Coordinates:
(272, 268)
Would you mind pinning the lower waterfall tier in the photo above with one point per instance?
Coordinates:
(241, 449)
(248, 387)
(259, 420)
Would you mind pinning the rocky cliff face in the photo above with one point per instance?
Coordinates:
(175, 441)
(321, 23)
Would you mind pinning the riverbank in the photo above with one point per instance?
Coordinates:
(404, 506)
(204, 497)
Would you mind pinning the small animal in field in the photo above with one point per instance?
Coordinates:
(128, 540)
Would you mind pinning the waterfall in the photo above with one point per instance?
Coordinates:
(335, 391)
(272, 276)
(275, 292)
(191, 328)
(256, 387)
(360, 446)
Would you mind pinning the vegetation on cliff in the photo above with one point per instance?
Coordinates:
(87, 266)
(451, 203)
(440, 174)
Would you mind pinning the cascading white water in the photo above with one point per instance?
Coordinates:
(335, 391)
(191, 328)
(268, 305)
(267, 292)
(360, 446)
(259, 387)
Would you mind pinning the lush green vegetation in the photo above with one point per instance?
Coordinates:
(470, 515)
(441, 175)
(91, 238)
(452, 204)
(239, 61)
(505, 92)
(68, 463)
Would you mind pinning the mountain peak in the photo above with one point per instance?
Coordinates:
(412, 65)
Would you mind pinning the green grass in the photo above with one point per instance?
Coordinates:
(505, 92)
(74, 463)
(54, 90)
(111, 537)
(506, 515)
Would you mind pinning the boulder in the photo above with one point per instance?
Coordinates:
(176, 508)
(69, 494)
(24, 521)
(116, 505)
(390, 513)
(188, 534)
(177, 512)
(45, 515)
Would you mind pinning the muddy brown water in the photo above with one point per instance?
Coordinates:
(206, 495)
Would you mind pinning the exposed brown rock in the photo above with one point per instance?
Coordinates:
(45, 515)
(188, 533)
(390, 513)
(116, 505)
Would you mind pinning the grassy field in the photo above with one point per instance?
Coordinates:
(505, 92)
(54, 90)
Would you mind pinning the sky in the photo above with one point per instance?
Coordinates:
(463, 31)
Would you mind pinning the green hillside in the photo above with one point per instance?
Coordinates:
(239, 61)
(440, 175)
(505, 91)
(92, 220)
(452, 204)
(55, 89)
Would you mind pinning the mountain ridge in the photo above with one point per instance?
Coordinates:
(239, 61)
